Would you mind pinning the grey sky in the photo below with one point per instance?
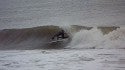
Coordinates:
(30, 13)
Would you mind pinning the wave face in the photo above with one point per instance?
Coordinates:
(79, 37)
(28, 38)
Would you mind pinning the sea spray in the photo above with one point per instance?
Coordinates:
(95, 38)
(115, 39)
(87, 39)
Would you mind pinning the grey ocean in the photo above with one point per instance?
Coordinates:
(95, 30)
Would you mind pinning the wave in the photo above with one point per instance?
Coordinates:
(28, 38)
(99, 38)
(79, 37)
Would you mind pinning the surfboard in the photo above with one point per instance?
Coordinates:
(56, 41)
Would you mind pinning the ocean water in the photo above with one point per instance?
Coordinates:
(96, 30)
(79, 37)
(30, 13)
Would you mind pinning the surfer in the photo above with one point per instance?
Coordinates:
(60, 34)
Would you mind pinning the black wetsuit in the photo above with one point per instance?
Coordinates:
(60, 34)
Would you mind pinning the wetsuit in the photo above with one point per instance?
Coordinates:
(61, 34)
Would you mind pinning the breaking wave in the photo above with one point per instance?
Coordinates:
(99, 38)
(79, 37)
(29, 38)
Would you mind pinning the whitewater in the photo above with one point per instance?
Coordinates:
(96, 39)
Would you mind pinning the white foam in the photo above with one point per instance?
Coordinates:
(86, 38)
(95, 39)
(115, 39)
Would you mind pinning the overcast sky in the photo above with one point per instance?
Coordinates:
(30, 13)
